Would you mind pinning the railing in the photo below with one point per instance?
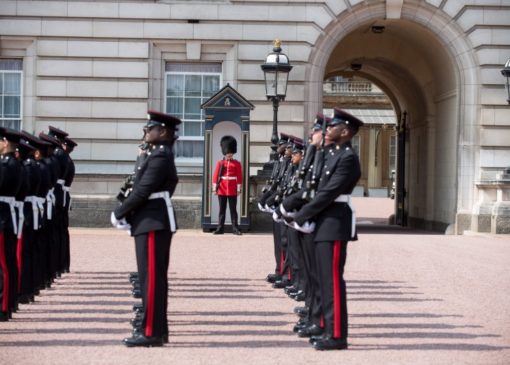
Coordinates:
(351, 88)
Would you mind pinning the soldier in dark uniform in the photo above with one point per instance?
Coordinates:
(331, 211)
(37, 201)
(149, 212)
(68, 146)
(311, 322)
(279, 163)
(12, 173)
(64, 160)
(26, 238)
(42, 244)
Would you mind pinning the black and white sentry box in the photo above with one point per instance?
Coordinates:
(226, 113)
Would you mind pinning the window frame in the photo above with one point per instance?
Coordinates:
(2, 96)
(181, 159)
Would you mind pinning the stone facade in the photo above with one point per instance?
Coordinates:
(93, 68)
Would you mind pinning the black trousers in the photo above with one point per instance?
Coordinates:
(331, 257)
(152, 258)
(294, 259)
(4, 276)
(232, 206)
(278, 254)
(313, 295)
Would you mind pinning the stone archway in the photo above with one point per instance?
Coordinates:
(424, 64)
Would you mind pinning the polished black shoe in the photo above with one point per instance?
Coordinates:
(4, 316)
(316, 338)
(310, 331)
(137, 331)
(300, 325)
(280, 284)
(219, 231)
(142, 341)
(299, 296)
(290, 289)
(136, 293)
(137, 307)
(329, 343)
(271, 278)
(236, 231)
(301, 311)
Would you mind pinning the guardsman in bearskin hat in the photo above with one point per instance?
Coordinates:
(148, 212)
(227, 184)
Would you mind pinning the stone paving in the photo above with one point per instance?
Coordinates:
(414, 298)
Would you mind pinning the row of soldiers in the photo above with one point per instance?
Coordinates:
(36, 173)
(309, 197)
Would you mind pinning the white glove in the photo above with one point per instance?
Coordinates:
(261, 208)
(120, 224)
(285, 213)
(113, 219)
(268, 209)
(307, 227)
(276, 217)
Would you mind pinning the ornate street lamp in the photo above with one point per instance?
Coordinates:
(276, 73)
(506, 72)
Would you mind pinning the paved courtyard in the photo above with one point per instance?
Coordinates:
(414, 298)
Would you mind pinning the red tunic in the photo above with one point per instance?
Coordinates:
(231, 177)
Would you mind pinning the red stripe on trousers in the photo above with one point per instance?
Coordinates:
(3, 265)
(336, 290)
(151, 279)
(19, 259)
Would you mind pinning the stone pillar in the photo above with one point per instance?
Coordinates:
(500, 219)
(492, 212)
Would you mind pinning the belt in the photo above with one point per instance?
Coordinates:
(165, 195)
(36, 206)
(344, 198)
(229, 178)
(10, 200)
(66, 190)
(50, 202)
(21, 217)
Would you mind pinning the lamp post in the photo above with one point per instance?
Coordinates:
(506, 72)
(276, 73)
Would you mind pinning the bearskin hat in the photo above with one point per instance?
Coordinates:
(228, 145)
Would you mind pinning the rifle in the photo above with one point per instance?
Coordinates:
(219, 175)
(318, 163)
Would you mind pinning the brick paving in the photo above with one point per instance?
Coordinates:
(414, 298)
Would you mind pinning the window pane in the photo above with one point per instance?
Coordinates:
(193, 129)
(1, 83)
(10, 123)
(189, 149)
(193, 85)
(211, 85)
(11, 106)
(192, 108)
(174, 106)
(12, 83)
(175, 85)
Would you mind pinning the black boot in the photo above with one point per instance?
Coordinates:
(236, 231)
(219, 230)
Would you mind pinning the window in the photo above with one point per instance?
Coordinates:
(188, 85)
(393, 155)
(10, 93)
(355, 144)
